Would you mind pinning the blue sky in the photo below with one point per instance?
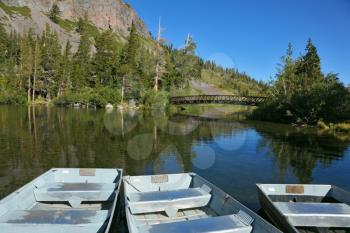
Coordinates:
(252, 35)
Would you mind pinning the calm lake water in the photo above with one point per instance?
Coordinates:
(231, 154)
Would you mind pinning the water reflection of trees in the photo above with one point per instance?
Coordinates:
(35, 139)
(299, 149)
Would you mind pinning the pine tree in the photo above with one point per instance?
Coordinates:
(10, 67)
(4, 43)
(309, 66)
(187, 65)
(287, 82)
(82, 24)
(106, 58)
(54, 13)
(131, 48)
(169, 75)
(27, 63)
(147, 62)
(14, 48)
(50, 63)
(36, 63)
(65, 70)
(129, 66)
(4, 57)
(82, 62)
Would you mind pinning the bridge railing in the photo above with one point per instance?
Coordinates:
(218, 99)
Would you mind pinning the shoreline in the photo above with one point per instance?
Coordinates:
(216, 113)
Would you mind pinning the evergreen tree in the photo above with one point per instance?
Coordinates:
(12, 62)
(27, 63)
(129, 67)
(64, 81)
(287, 81)
(4, 44)
(169, 75)
(4, 58)
(14, 48)
(106, 58)
(187, 64)
(36, 64)
(304, 94)
(309, 65)
(50, 63)
(146, 68)
(131, 48)
(82, 24)
(82, 62)
(54, 13)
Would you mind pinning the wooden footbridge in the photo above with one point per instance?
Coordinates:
(218, 99)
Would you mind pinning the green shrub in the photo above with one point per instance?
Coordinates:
(66, 24)
(155, 99)
(325, 100)
(13, 98)
(92, 30)
(273, 111)
(98, 96)
(105, 95)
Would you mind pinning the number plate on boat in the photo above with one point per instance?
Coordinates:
(296, 189)
(87, 172)
(156, 179)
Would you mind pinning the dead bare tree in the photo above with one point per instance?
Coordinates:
(158, 56)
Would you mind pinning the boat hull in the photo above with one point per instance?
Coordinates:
(306, 208)
(63, 200)
(221, 214)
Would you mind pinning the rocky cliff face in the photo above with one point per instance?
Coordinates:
(104, 14)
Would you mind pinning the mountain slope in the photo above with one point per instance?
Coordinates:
(22, 15)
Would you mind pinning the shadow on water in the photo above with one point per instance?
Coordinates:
(232, 154)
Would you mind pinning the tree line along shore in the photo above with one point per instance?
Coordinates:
(107, 69)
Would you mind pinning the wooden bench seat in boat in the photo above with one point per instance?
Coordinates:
(315, 214)
(169, 201)
(74, 193)
(227, 224)
(43, 221)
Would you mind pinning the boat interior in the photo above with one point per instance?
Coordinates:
(185, 203)
(60, 200)
(311, 208)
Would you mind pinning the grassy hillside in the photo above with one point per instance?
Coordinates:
(10, 10)
(237, 85)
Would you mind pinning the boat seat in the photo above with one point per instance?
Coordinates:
(315, 214)
(43, 221)
(227, 224)
(169, 201)
(75, 193)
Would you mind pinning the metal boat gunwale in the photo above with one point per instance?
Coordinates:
(266, 202)
(114, 204)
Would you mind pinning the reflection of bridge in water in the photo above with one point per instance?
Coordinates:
(218, 99)
(216, 125)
